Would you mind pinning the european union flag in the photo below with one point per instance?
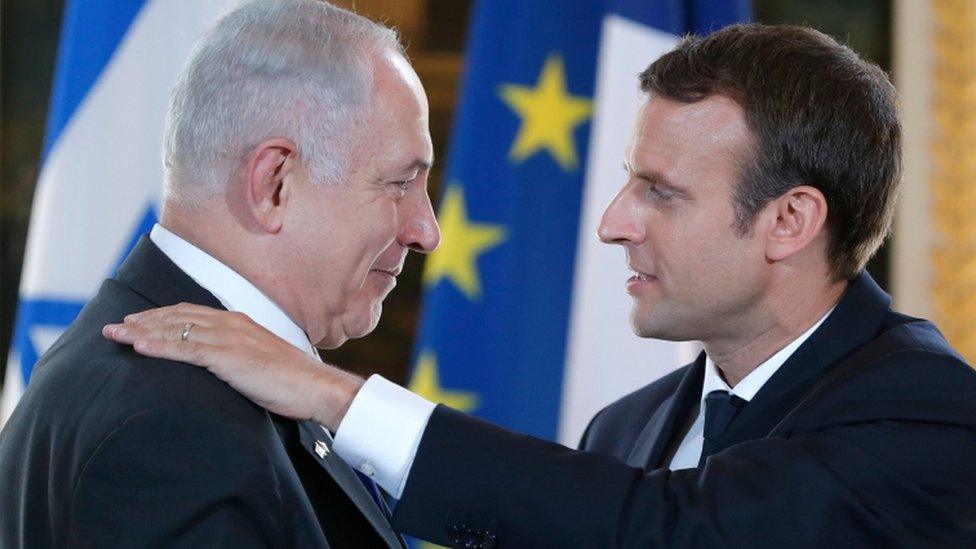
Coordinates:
(539, 116)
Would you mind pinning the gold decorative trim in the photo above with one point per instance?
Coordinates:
(953, 177)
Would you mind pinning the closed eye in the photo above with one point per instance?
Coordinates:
(658, 188)
(657, 192)
(399, 188)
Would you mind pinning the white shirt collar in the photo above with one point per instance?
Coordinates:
(233, 290)
(750, 385)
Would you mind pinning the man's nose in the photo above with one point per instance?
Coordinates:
(419, 230)
(621, 221)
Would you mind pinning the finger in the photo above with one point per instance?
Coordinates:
(182, 312)
(198, 315)
(131, 332)
(165, 327)
(191, 352)
(213, 357)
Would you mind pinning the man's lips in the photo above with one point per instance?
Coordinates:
(392, 271)
(638, 281)
(639, 274)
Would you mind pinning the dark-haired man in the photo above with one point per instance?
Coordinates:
(762, 175)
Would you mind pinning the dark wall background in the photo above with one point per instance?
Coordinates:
(28, 43)
(865, 26)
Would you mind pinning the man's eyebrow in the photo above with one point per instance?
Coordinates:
(412, 169)
(420, 164)
(654, 177)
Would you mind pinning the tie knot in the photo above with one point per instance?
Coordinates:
(720, 409)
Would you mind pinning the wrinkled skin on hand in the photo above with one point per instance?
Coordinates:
(263, 367)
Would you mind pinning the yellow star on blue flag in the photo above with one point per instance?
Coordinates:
(462, 241)
(549, 115)
(426, 382)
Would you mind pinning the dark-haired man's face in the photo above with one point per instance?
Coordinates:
(695, 277)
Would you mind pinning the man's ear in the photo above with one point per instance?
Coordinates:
(800, 215)
(266, 181)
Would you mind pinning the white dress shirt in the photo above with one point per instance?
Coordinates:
(395, 436)
(381, 404)
(689, 452)
(232, 290)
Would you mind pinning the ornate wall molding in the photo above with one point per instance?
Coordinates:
(953, 175)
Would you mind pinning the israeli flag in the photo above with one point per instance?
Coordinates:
(101, 179)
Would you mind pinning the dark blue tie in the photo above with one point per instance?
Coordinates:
(373, 490)
(720, 409)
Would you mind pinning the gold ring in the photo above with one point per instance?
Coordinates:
(185, 335)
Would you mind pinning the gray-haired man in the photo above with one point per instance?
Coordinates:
(296, 153)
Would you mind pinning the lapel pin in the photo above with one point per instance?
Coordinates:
(321, 449)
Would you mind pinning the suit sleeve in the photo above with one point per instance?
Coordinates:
(889, 468)
(585, 437)
(176, 477)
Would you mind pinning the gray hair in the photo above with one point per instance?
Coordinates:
(300, 69)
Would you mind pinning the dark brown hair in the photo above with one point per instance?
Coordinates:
(820, 116)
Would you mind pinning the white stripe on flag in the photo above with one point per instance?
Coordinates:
(13, 387)
(105, 167)
(604, 359)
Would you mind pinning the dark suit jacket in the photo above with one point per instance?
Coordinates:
(111, 449)
(865, 437)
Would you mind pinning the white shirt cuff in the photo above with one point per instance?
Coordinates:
(381, 432)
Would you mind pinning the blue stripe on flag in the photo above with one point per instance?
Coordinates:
(708, 15)
(57, 314)
(680, 17)
(665, 15)
(39, 313)
(90, 32)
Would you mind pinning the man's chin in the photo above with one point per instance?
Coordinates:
(331, 341)
(352, 328)
(649, 326)
(363, 325)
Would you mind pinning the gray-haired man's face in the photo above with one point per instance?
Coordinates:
(354, 237)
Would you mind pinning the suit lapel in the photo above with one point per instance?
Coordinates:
(151, 274)
(855, 321)
(318, 443)
(663, 426)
